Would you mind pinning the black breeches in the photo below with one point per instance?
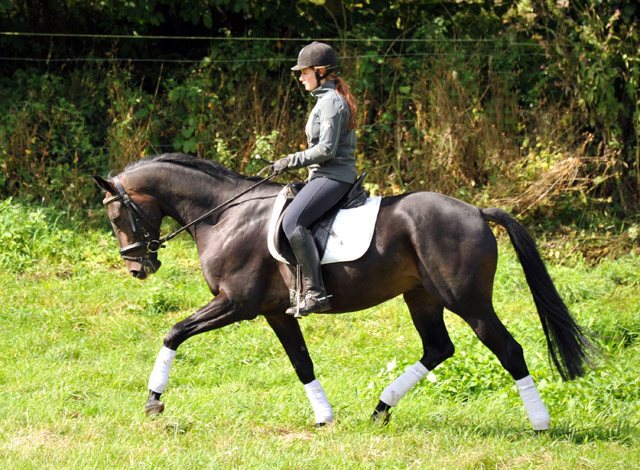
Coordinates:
(316, 198)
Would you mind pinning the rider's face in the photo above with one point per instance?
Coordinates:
(308, 79)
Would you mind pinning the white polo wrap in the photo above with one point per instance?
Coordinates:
(160, 374)
(321, 406)
(399, 388)
(536, 411)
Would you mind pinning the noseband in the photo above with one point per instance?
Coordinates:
(139, 223)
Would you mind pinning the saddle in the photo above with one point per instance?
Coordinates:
(321, 229)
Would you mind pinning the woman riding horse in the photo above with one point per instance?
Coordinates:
(435, 251)
(331, 138)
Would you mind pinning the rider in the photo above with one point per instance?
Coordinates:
(329, 157)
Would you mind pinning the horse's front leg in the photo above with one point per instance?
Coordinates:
(288, 332)
(216, 314)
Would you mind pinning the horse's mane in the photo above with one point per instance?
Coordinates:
(214, 169)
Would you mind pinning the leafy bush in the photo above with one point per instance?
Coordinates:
(532, 106)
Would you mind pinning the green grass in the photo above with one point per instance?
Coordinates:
(79, 338)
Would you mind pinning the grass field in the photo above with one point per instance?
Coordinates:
(79, 339)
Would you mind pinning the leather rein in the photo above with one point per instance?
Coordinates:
(140, 222)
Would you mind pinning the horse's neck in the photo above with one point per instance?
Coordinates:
(185, 194)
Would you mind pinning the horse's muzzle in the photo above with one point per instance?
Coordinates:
(140, 270)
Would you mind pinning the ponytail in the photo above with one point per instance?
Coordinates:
(343, 89)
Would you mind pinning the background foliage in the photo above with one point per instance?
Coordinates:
(528, 104)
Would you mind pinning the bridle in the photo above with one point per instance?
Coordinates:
(140, 222)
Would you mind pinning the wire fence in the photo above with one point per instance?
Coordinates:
(272, 59)
(249, 38)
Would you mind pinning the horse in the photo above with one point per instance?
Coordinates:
(436, 251)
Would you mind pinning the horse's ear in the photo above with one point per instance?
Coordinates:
(105, 185)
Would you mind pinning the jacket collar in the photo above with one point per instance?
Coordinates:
(323, 89)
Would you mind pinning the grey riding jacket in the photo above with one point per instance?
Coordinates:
(330, 143)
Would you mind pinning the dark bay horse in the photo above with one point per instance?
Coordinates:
(436, 251)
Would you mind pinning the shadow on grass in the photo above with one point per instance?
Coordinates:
(621, 430)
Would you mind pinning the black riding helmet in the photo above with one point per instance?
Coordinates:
(317, 54)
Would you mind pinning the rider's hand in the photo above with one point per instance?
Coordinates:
(280, 166)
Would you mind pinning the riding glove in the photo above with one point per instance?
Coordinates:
(281, 165)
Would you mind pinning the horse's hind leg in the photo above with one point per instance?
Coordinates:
(426, 313)
(490, 330)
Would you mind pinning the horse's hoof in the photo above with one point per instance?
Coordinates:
(380, 417)
(381, 414)
(154, 408)
(324, 424)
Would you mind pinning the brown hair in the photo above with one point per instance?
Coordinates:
(343, 89)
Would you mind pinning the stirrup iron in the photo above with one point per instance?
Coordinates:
(320, 304)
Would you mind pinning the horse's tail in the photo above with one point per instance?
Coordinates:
(566, 341)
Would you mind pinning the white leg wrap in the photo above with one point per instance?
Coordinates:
(536, 411)
(321, 406)
(394, 392)
(160, 374)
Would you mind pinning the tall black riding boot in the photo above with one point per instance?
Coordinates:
(315, 297)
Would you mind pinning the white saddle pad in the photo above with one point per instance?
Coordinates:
(350, 236)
